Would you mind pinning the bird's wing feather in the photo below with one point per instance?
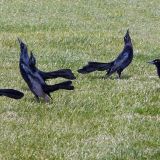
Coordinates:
(121, 59)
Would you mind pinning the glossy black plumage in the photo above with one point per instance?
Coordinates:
(11, 93)
(117, 65)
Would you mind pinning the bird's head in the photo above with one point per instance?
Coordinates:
(22, 45)
(127, 38)
(155, 62)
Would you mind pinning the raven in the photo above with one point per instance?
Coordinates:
(11, 93)
(64, 73)
(156, 62)
(117, 65)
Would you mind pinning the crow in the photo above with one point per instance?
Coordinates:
(117, 65)
(11, 93)
(156, 62)
(37, 84)
(24, 56)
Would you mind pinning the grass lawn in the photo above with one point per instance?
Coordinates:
(104, 119)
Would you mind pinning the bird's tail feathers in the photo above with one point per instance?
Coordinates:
(64, 73)
(101, 66)
(11, 93)
(95, 66)
(64, 85)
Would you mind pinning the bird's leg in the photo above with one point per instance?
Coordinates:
(108, 73)
(37, 98)
(119, 73)
(46, 98)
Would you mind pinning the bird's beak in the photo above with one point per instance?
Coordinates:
(19, 40)
(151, 62)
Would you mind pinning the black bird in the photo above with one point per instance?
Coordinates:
(64, 73)
(117, 65)
(156, 62)
(11, 93)
(37, 84)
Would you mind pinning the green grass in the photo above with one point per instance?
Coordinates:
(103, 118)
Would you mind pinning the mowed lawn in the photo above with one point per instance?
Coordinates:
(103, 118)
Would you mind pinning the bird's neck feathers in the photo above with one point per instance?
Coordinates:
(128, 47)
(128, 43)
(158, 69)
(24, 57)
(33, 68)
